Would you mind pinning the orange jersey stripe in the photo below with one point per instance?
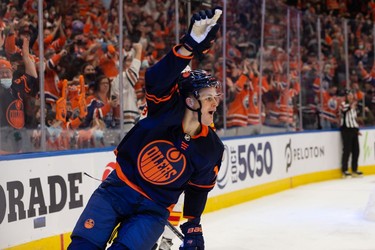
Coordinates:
(201, 186)
(121, 175)
(156, 100)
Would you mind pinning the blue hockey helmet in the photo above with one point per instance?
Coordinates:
(190, 82)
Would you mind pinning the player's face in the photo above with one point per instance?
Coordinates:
(210, 99)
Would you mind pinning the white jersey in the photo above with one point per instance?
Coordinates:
(130, 77)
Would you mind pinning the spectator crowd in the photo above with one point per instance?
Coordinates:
(287, 73)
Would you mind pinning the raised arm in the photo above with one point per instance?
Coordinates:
(30, 67)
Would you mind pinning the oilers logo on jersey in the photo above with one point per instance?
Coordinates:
(160, 162)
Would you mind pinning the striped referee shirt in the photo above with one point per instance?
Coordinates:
(348, 116)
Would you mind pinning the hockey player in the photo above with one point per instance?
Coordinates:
(173, 150)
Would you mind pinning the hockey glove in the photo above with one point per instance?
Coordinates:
(202, 32)
(193, 239)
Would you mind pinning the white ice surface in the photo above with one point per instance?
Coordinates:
(321, 216)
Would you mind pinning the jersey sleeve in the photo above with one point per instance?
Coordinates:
(161, 79)
(196, 194)
(201, 183)
(115, 86)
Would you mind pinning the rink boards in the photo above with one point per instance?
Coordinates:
(42, 194)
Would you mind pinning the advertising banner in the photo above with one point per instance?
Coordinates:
(252, 161)
(44, 196)
(41, 197)
(367, 147)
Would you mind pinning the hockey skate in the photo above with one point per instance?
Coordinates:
(346, 174)
(165, 244)
(357, 174)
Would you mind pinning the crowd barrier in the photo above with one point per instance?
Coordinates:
(291, 56)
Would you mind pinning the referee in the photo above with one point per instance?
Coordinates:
(349, 133)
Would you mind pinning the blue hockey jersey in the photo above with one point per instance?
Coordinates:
(157, 158)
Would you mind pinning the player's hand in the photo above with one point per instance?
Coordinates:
(202, 31)
(193, 239)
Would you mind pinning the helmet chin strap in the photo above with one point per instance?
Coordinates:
(198, 110)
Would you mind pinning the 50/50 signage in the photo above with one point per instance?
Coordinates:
(244, 161)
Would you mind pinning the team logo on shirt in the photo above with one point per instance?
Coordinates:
(255, 100)
(15, 115)
(332, 104)
(245, 102)
(89, 223)
(161, 163)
